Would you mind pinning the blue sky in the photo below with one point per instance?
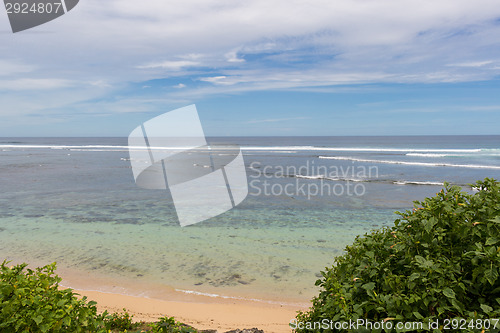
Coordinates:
(354, 67)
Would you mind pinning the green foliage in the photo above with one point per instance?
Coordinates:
(120, 321)
(170, 325)
(30, 301)
(440, 260)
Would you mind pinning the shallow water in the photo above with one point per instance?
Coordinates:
(67, 200)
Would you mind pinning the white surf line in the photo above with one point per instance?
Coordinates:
(470, 166)
(289, 149)
(482, 153)
(198, 293)
(343, 149)
(404, 182)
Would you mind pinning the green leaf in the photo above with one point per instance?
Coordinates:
(368, 286)
(429, 224)
(414, 276)
(486, 308)
(418, 315)
(66, 321)
(491, 275)
(38, 319)
(457, 305)
(496, 219)
(448, 292)
(491, 241)
(422, 262)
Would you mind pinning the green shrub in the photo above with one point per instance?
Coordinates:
(120, 321)
(438, 262)
(170, 325)
(30, 301)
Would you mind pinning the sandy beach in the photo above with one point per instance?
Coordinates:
(201, 312)
(148, 302)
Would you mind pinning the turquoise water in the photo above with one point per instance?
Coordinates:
(67, 200)
(269, 262)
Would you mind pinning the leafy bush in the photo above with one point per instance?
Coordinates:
(439, 261)
(30, 301)
(170, 325)
(120, 321)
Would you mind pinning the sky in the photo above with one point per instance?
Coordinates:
(256, 67)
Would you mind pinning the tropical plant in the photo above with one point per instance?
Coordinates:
(31, 301)
(170, 325)
(120, 321)
(438, 263)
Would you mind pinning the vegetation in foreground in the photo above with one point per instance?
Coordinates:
(31, 301)
(439, 261)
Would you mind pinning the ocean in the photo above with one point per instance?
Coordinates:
(74, 201)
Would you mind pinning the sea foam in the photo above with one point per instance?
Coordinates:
(425, 164)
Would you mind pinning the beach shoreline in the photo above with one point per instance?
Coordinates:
(221, 312)
(123, 284)
(201, 312)
(91, 281)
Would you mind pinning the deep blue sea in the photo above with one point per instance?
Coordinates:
(74, 201)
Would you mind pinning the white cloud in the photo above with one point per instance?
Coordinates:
(277, 79)
(473, 64)
(192, 56)
(129, 31)
(34, 84)
(221, 80)
(100, 84)
(9, 67)
(174, 65)
(234, 46)
(233, 57)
